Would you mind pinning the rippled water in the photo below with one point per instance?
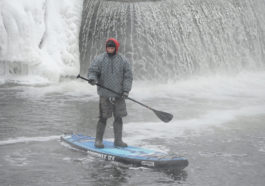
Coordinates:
(218, 125)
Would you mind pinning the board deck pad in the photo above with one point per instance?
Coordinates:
(130, 155)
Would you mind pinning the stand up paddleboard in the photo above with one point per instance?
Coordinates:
(129, 155)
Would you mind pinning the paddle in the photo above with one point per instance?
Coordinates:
(166, 117)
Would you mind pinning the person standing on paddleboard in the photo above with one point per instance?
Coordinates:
(113, 71)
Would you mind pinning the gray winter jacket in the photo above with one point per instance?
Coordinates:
(112, 72)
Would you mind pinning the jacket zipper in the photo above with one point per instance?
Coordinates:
(111, 66)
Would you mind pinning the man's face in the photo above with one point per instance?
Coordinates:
(110, 50)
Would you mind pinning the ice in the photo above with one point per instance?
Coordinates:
(39, 38)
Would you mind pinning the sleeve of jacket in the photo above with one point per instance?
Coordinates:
(128, 77)
(94, 69)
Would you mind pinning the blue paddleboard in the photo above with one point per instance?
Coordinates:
(129, 155)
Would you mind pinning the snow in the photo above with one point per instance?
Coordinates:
(41, 36)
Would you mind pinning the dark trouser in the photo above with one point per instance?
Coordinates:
(116, 108)
(108, 108)
(117, 127)
(100, 132)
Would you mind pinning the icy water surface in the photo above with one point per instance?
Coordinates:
(218, 125)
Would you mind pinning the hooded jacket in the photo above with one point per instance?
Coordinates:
(112, 72)
(117, 44)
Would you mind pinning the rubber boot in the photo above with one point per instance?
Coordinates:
(117, 125)
(100, 132)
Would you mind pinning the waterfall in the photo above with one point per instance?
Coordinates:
(170, 39)
(162, 39)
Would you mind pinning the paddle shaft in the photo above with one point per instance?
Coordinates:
(118, 93)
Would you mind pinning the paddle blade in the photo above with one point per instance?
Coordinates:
(166, 117)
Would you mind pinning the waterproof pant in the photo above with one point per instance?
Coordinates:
(117, 127)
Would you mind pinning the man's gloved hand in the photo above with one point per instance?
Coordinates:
(125, 95)
(92, 82)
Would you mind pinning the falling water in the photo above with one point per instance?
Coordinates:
(174, 38)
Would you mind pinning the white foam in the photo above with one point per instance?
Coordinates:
(75, 88)
(198, 104)
(137, 132)
(32, 80)
(218, 86)
(28, 139)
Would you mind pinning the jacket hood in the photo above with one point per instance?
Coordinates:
(117, 44)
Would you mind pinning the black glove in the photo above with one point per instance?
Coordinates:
(92, 82)
(125, 95)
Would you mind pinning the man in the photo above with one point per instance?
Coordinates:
(113, 71)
